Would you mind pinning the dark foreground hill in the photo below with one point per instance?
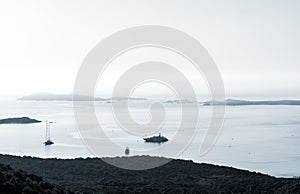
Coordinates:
(177, 176)
(12, 181)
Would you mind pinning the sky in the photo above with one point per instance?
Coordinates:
(255, 43)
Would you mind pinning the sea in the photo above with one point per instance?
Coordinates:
(263, 138)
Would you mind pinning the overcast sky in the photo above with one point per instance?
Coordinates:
(255, 43)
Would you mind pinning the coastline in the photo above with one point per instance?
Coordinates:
(92, 175)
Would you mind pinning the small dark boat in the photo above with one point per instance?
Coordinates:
(156, 139)
(127, 151)
(48, 142)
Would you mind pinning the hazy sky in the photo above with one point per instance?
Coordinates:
(255, 43)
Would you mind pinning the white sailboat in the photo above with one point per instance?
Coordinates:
(48, 140)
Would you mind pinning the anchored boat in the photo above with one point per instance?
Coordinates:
(156, 139)
(48, 140)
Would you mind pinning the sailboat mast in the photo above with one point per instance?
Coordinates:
(49, 133)
(46, 138)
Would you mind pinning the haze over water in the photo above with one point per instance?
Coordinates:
(259, 138)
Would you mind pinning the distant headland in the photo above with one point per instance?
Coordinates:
(19, 120)
(232, 102)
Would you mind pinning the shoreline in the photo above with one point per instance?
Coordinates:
(94, 175)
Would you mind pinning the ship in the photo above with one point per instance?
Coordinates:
(156, 139)
(127, 151)
(48, 140)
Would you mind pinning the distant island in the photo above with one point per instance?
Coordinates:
(126, 98)
(71, 97)
(227, 102)
(232, 102)
(20, 120)
(184, 101)
(58, 97)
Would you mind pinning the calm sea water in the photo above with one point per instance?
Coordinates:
(258, 138)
